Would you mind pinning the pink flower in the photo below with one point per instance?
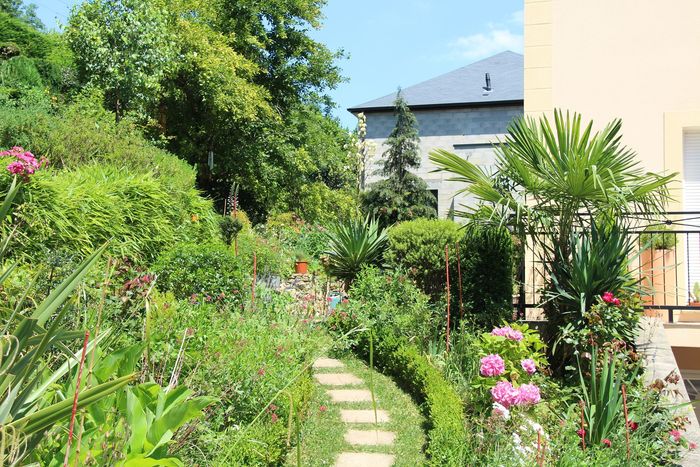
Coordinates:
(632, 425)
(504, 393)
(15, 168)
(606, 442)
(529, 366)
(528, 394)
(616, 301)
(675, 435)
(492, 365)
(581, 432)
(322, 408)
(692, 445)
(508, 333)
(607, 297)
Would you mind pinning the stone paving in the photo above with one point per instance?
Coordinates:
(356, 435)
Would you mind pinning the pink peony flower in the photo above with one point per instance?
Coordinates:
(508, 333)
(504, 393)
(675, 435)
(492, 365)
(529, 366)
(528, 394)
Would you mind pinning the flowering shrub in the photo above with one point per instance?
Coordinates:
(512, 355)
(24, 163)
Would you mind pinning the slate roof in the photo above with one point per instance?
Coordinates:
(462, 87)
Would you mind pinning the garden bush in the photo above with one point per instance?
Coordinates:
(79, 210)
(201, 272)
(487, 265)
(418, 247)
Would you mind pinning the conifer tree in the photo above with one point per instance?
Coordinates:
(402, 195)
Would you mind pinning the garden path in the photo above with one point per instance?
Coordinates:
(363, 424)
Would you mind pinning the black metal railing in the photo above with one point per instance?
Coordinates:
(666, 260)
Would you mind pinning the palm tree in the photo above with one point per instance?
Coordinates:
(552, 180)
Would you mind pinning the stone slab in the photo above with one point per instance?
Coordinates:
(328, 363)
(370, 437)
(337, 379)
(350, 395)
(363, 416)
(364, 459)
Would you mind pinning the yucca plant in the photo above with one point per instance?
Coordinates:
(25, 351)
(353, 245)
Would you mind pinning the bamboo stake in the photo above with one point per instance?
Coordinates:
(447, 275)
(459, 278)
(583, 429)
(627, 423)
(75, 399)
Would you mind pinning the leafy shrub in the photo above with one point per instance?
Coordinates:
(390, 300)
(418, 247)
(81, 209)
(230, 227)
(207, 270)
(293, 233)
(28, 40)
(656, 240)
(272, 258)
(487, 259)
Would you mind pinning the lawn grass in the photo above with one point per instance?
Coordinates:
(322, 437)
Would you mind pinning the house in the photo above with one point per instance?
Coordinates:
(463, 111)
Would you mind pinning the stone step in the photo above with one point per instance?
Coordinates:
(364, 416)
(324, 362)
(370, 437)
(364, 459)
(350, 395)
(337, 379)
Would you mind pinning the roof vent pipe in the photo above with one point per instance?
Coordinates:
(487, 89)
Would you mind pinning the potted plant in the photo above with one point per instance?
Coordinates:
(301, 265)
(695, 296)
(658, 259)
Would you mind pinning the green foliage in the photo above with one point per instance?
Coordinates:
(390, 300)
(487, 257)
(273, 259)
(353, 245)
(402, 195)
(80, 209)
(244, 359)
(602, 396)
(659, 239)
(27, 13)
(123, 47)
(230, 226)
(17, 33)
(418, 247)
(200, 270)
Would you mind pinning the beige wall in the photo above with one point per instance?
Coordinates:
(638, 60)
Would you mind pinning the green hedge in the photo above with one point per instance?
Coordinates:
(440, 403)
(418, 247)
(487, 260)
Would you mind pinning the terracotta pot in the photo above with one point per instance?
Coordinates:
(658, 271)
(301, 267)
(687, 316)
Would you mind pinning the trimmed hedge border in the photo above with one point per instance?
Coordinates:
(439, 402)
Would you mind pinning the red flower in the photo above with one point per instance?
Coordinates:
(616, 301)
(322, 408)
(632, 425)
(608, 297)
(261, 371)
(606, 442)
(581, 432)
(274, 417)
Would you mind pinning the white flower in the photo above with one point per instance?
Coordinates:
(500, 410)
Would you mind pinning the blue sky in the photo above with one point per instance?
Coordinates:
(394, 43)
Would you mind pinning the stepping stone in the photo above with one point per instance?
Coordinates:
(364, 459)
(328, 363)
(370, 437)
(350, 395)
(363, 416)
(337, 379)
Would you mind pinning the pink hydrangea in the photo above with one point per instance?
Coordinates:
(508, 333)
(529, 366)
(492, 365)
(504, 393)
(528, 394)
